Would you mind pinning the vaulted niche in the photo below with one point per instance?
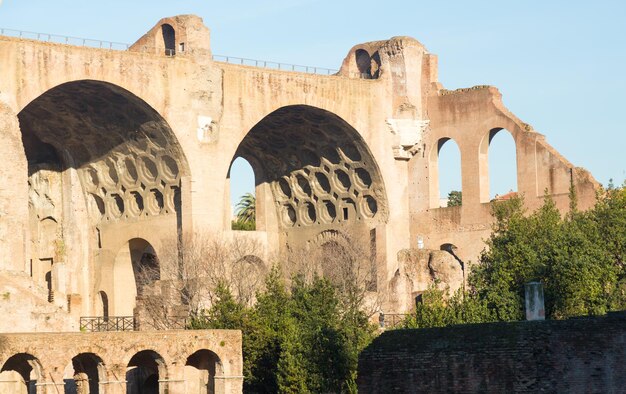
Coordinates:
(319, 169)
(100, 159)
(126, 156)
(368, 66)
(169, 39)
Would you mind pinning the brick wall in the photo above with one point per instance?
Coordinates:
(584, 355)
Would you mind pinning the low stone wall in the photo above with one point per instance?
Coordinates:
(193, 361)
(583, 355)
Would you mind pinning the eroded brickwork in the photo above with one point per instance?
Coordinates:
(586, 355)
(207, 361)
(111, 154)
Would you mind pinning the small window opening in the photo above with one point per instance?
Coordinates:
(450, 185)
(169, 39)
(49, 286)
(345, 213)
(363, 63)
(242, 195)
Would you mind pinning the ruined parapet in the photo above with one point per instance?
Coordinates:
(419, 269)
(182, 35)
(402, 61)
(409, 71)
(471, 117)
(27, 307)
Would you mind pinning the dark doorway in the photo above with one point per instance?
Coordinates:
(142, 373)
(169, 39)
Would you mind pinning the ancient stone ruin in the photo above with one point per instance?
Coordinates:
(110, 155)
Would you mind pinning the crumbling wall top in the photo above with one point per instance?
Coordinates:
(367, 60)
(176, 35)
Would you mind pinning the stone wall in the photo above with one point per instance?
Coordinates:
(581, 355)
(208, 361)
(25, 306)
(110, 153)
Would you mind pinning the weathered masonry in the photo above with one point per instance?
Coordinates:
(201, 361)
(106, 153)
(582, 355)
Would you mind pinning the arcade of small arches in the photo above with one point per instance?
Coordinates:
(451, 166)
(145, 372)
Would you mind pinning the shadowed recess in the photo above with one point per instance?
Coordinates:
(317, 165)
(127, 157)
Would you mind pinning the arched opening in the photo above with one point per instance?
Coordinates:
(126, 156)
(242, 195)
(200, 371)
(368, 65)
(314, 168)
(363, 63)
(146, 267)
(445, 174)
(136, 266)
(498, 175)
(169, 39)
(20, 374)
(84, 374)
(345, 259)
(103, 308)
(95, 145)
(144, 372)
(248, 276)
(333, 258)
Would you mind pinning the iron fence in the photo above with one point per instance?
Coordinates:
(120, 46)
(274, 65)
(111, 323)
(59, 39)
(391, 320)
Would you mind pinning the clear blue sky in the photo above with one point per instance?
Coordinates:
(561, 65)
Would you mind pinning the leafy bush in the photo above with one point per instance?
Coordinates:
(294, 341)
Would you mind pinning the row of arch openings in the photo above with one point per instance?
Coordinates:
(87, 373)
(497, 159)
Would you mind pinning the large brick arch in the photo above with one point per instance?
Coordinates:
(128, 159)
(321, 171)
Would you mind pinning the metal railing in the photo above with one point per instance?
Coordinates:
(68, 40)
(391, 320)
(274, 65)
(120, 46)
(111, 323)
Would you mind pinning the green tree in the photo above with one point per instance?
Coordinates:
(243, 226)
(579, 257)
(296, 340)
(436, 309)
(245, 212)
(576, 257)
(455, 198)
(225, 313)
